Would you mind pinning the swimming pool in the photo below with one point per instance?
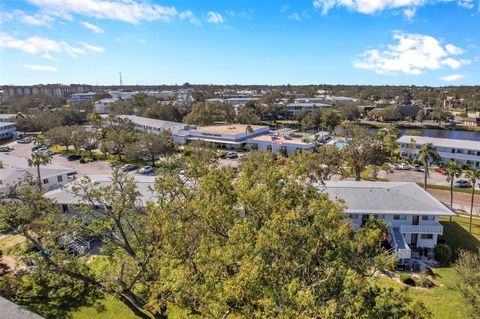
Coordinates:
(341, 144)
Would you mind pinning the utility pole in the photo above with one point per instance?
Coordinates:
(121, 82)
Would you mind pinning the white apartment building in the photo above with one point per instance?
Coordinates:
(15, 169)
(233, 100)
(411, 211)
(227, 136)
(282, 142)
(82, 97)
(8, 131)
(305, 106)
(102, 106)
(460, 151)
(122, 95)
(155, 126)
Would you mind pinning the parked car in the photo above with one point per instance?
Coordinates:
(6, 149)
(25, 140)
(40, 150)
(37, 147)
(439, 171)
(418, 168)
(404, 166)
(128, 167)
(461, 183)
(73, 157)
(145, 170)
(232, 155)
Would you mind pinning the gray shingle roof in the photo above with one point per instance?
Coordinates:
(10, 310)
(385, 198)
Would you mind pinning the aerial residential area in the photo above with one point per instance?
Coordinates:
(199, 159)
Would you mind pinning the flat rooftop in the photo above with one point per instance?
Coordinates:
(385, 198)
(229, 129)
(145, 121)
(279, 140)
(441, 142)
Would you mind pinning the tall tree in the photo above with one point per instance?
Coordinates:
(467, 268)
(427, 153)
(209, 113)
(362, 148)
(452, 170)
(473, 175)
(60, 135)
(37, 160)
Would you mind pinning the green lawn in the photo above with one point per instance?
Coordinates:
(442, 301)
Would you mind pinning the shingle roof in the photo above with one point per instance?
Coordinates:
(385, 198)
(10, 310)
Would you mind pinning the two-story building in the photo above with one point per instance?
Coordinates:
(412, 213)
(284, 142)
(82, 97)
(460, 151)
(155, 126)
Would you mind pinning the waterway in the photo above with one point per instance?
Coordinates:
(459, 135)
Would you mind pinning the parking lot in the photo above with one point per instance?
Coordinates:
(92, 168)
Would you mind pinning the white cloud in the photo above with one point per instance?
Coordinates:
(40, 67)
(123, 10)
(215, 17)
(375, 6)
(413, 54)
(452, 49)
(298, 16)
(93, 48)
(452, 78)
(410, 13)
(45, 47)
(468, 4)
(38, 19)
(92, 27)
(188, 15)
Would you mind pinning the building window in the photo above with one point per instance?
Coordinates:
(428, 217)
(269, 148)
(426, 236)
(45, 180)
(353, 216)
(399, 217)
(60, 178)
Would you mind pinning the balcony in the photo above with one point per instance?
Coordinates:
(399, 244)
(422, 229)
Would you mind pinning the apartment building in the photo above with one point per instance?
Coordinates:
(460, 151)
(291, 108)
(283, 142)
(15, 169)
(155, 126)
(11, 91)
(412, 213)
(82, 97)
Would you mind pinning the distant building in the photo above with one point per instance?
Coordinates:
(15, 169)
(162, 95)
(101, 106)
(340, 100)
(460, 151)
(283, 144)
(8, 131)
(471, 121)
(122, 95)
(295, 107)
(82, 97)
(233, 100)
(11, 91)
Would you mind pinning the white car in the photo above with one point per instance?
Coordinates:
(404, 166)
(145, 170)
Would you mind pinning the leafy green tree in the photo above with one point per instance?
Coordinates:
(115, 141)
(467, 268)
(349, 112)
(210, 113)
(473, 175)
(153, 145)
(232, 248)
(427, 153)
(322, 120)
(362, 148)
(86, 139)
(389, 137)
(60, 135)
(321, 165)
(37, 160)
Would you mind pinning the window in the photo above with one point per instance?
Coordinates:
(399, 217)
(269, 148)
(426, 236)
(354, 216)
(45, 180)
(429, 217)
(60, 178)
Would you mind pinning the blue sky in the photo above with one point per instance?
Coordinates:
(418, 42)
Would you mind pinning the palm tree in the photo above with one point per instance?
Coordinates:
(427, 153)
(37, 160)
(452, 170)
(18, 116)
(411, 149)
(473, 175)
(249, 130)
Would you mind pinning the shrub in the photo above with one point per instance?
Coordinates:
(407, 280)
(428, 272)
(423, 281)
(442, 253)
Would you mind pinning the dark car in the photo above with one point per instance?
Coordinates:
(128, 167)
(461, 184)
(73, 157)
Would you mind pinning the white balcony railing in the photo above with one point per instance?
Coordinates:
(421, 229)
